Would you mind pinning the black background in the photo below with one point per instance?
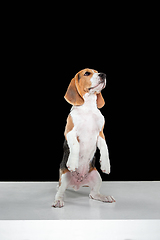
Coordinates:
(41, 57)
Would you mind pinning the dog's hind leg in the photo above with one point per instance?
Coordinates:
(64, 183)
(94, 182)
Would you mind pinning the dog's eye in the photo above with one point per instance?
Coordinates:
(87, 73)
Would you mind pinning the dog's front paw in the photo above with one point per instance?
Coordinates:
(105, 166)
(71, 167)
(72, 164)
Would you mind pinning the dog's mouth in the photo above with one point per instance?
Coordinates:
(104, 84)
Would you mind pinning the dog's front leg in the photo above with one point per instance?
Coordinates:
(104, 159)
(73, 144)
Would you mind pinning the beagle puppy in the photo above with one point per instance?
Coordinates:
(83, 134)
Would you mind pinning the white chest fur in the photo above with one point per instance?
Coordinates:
(88, 122)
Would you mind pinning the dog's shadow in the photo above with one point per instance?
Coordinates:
(84, 192)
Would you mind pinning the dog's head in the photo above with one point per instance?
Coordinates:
(86, 81)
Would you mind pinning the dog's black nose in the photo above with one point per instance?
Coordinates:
(102, 75)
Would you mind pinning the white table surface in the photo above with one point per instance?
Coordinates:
(80, 230)
(26, 212)
(33, 200)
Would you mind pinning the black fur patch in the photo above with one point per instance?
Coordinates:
(93, 161)
(65, 155)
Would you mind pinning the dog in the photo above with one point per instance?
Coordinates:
(83, 134)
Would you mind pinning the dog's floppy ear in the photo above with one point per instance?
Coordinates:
(100, 100)
(72, 95)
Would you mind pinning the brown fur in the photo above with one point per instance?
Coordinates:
(72, 96)
(101, 134)
(69, 125)
(80, 85)
(60, 174)
(91, 169)
(100, 100)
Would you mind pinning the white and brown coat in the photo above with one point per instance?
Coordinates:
(83, 134)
